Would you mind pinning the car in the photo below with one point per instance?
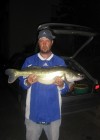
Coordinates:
(79, 47)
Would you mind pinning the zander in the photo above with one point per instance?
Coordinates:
(45, 75)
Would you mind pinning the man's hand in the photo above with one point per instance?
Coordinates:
(59, 82)
(31, 79)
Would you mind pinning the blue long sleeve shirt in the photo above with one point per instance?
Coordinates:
(43, 102)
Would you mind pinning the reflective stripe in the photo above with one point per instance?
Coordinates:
(27, 111)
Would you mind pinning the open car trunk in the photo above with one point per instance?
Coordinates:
(70, 41)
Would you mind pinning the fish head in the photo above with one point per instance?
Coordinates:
(75, 76)
(79, 76)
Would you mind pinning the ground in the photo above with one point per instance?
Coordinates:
(78, 126)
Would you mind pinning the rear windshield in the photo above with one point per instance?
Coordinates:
(67, 45)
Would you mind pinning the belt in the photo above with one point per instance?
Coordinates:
(44, 123)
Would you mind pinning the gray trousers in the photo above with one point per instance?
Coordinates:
(34, 130)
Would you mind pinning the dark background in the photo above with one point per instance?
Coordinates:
(19, 20)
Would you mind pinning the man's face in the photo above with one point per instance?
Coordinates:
(45, 44)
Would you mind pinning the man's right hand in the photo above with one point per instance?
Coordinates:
(31, 79)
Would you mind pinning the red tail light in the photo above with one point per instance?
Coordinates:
(97, 87)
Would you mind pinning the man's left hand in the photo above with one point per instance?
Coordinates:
(59, 82)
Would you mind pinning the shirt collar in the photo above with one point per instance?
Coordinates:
(44, 58)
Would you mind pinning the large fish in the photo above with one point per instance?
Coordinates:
(45, 75)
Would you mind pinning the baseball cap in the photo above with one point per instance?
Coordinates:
(46, 33)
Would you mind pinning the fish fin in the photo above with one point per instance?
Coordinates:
(11, 74)
(69, 83)
(33, 67)
(66, 80)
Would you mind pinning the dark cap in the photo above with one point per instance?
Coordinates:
(46, 33)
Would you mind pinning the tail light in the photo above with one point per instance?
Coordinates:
(97, 87)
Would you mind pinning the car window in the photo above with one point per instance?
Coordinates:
(67, 45)
(89, 57)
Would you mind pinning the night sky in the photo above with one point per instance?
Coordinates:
(19, 20)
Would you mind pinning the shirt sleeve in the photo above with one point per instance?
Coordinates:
(64, 89)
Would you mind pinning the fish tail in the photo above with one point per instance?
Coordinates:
(12, 76)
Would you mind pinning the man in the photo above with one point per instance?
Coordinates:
(43, 102)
